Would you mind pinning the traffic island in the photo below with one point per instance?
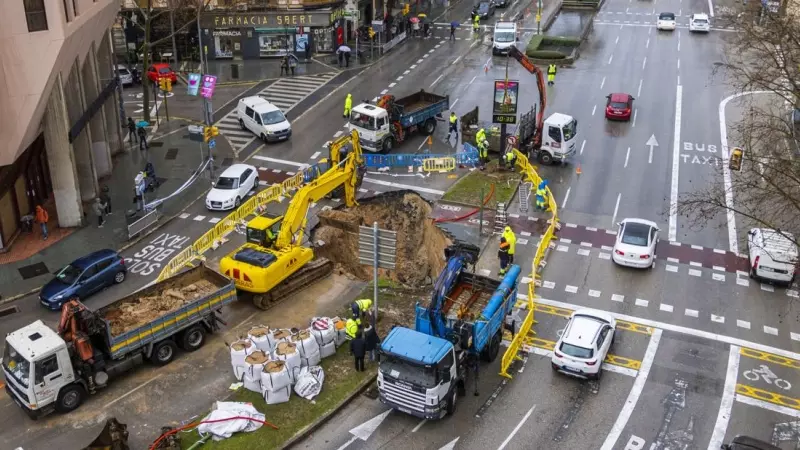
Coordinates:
(569, 28)
(498, 185)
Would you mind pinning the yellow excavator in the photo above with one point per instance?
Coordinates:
(274, 262)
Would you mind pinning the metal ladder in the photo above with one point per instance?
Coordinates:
(525, 196)
(500, 218)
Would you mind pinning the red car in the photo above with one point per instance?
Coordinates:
(619, 106)
(161, 70)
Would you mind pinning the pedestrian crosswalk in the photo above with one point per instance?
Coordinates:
(285, 93)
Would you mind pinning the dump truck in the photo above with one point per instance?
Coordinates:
(423, 371)
(392, 120)
(47, 370)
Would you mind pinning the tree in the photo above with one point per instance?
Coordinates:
(762, 65)
(151, 12)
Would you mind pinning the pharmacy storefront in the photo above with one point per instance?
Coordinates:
(272, 34)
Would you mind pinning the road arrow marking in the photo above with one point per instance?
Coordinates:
(652, 142)
(451, 445)
(365, 430)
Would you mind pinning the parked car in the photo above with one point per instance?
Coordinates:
(584, 344)
(263, 119)
(619, 106)
(485, 9)
(699, 22)
(125, 75)
(773, 256)
(636, 243)
(161, 70)
(232, 187)
(83, 277)
(666, 21)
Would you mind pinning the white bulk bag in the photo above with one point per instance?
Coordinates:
(288, 353)
(252, 383)
(340, 326)
(309, 382)
(311, 359)
(262, 338)
(281, 335)
(279, 396)
(275, 376)
(305, 342)
(253, 364)
(239, 351)
(323, 330)
(328, 349)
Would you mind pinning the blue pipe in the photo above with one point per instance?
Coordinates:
(506, 286)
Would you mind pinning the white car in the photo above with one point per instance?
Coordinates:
(232, 187)
(125, 75)
(666, 21)
(699, 22)
(584, 344)
(773, 256)
(636, 243)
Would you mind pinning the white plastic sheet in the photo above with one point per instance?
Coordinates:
(309, 382)
(224, 410)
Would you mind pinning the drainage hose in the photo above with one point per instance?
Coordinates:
(469, 214)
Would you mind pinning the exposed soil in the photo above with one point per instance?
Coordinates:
(420, 243)
(145, 309)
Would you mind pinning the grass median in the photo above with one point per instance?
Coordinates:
(474, 187)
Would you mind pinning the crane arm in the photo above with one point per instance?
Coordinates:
(460, 256)
(346, 161)
(515, 53)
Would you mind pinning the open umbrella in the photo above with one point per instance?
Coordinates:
(413, 20)
(142, 124)
(422, 15)
(455, 24)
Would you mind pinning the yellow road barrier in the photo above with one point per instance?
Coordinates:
(442, 164)
(526, 333)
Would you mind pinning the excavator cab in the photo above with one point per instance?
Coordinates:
(263, 231)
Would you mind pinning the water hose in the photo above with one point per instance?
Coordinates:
(469, 214)
(195, 424)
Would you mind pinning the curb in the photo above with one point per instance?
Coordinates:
(305, 432)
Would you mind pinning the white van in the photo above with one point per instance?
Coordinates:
(772, 255)
(263, 119)
(505, 35)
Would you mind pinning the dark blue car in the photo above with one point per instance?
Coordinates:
(83, 277)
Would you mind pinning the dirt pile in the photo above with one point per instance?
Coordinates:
(420, 243)
(143, 310)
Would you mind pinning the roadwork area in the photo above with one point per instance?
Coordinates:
(420, 243)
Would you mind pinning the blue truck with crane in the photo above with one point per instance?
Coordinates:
(423, 371)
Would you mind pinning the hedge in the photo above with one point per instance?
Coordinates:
(534, 43)
(532, 50)
(546, 54)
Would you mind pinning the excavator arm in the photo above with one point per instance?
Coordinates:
(515, 53)
(346, 162)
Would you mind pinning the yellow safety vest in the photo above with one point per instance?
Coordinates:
(364, 304)
(453, 118)
(480, 136)
(510, 157)
(351, 327)
(348, 102)
(551, 70)
(511, 238)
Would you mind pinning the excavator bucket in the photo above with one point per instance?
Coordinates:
(113, 437)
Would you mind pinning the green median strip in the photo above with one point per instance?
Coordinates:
(468, 189)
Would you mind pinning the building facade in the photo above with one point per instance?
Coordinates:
(60, 108)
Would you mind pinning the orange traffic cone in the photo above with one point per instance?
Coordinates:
(430, 140)
(578, 170)
(486, 69)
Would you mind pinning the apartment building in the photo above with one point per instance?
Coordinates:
(59, 105)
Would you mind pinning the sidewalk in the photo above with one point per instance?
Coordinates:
(259, 69)
(175, 157)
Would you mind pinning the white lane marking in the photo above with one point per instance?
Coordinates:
(399, 78)
(405, 186)
(718, 268)
(647, 45)
(770, 330)
(549, 285)
(132, 391)
(610, 58)
(795, 336)
(718, 276)
(676, 154)
(627, 155)
(199, 218)
(516, 429)
(636, 391)
(419, 425)
(691, 312)
(743, 324)
(617, 298)
(616, 209)
(583, 145)
(571, 289)
(338, 133)
(695, 272)
(768, 406)
(665, 307)
(603, 83)
(617, 40)
(639, 91)
(717, 319)
(695, 264)
(453, 105)
(437, 80)
(594, 109)
(383, 92)
(594, 293)
(566, 197)
(644, 63)
(391, 85)
(413, 66)
(422, 145)
(764, 287)
(606, 256)
(406, 72)
(635, 113)
(473, 79)
(215, 220)
(679, 329)
(315, 155)
(728, 394)
(679, 64)
(184, 215)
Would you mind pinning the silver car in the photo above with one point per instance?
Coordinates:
(125, 75)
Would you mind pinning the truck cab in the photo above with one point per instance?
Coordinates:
(372, 123)
(559, 134)
(37, 367)
(418, 373)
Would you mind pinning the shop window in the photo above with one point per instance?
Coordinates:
(274, 44)
(227, 43)
(22, 196)
(35, 15)
(8, 217)
(323, 39)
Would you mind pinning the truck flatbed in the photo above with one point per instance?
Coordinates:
(418, 101)
(466, 301)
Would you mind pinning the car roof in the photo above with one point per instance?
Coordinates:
(85, 261)
(122, 66)
(620, 97)
(236, 170)
(160, 65)
(582, 331)
(505, 25)
(641, 221)
(700, 16)
(415, 346)
(781, 244)
(666, 13)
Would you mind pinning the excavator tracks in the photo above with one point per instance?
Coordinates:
(311, 272)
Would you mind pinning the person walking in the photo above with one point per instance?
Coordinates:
(511, 238)
(358, 347)
(452, 31)
(476, 23)
(284, 65)
(292, 60)
(453, 126)
(99, 211)
(502, 254)
(131, 131)
(142, 138)
(372, 342)
(348, 106)
(308, 51)
(42, 218)
(551, 74)
(106, 199)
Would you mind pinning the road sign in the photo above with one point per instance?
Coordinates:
(195, 129)
(378, 248)
(212, 143)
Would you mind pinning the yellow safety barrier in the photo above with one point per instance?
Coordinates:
(526, 333)
(441, 164)
(216, 235)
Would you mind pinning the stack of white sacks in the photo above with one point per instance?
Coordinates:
(271, 361)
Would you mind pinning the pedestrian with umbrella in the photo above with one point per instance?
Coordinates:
(141, 131)
(414, 26)
(344, 51)
(453, 27)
